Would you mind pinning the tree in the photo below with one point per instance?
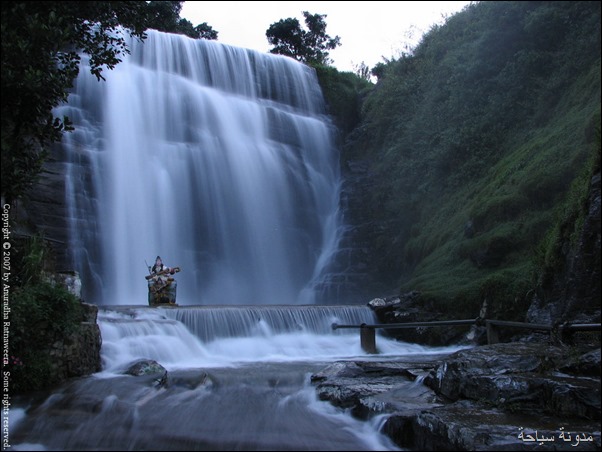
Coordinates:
(362, 71)
(201, 31)
(165, 16)
(41, 47)
(308, 46)
(379, 70)
(40, 59)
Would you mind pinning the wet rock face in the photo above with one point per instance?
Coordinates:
(586, 365)
(78, 353)
(573, 293)
(354, 273)
(144, 367)
(507, 375)
(473, 426)
(373, 388)
(44, 210)
(476, 399)
(452, 378)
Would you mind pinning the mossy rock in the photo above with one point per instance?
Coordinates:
(144, 367)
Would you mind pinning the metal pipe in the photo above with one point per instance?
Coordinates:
(409, 325)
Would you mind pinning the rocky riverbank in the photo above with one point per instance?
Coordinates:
(511, 396)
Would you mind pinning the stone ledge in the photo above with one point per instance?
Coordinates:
(474, 399)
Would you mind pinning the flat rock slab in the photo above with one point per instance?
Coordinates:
(472, 426)
(370, 388)
(482, 398)
(521, 374)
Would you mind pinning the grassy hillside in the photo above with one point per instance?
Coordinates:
(481, 143)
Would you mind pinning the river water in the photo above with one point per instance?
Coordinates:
(238, 379)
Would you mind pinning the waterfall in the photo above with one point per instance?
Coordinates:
(217, 158)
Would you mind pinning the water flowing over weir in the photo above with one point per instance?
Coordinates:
(219, 159)
(238, 379)
(203, 336)
(222, 336)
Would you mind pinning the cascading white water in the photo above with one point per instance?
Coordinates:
(219, 159)
(202, 336)
(208, 336)
(209, 323)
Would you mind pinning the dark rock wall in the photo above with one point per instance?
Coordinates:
(44, 210)
(78, 354)
(573, 293)
(582, 289)
(354, 276)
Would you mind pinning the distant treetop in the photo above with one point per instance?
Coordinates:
(308, 46)
(165, 16)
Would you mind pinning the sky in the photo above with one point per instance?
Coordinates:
(369, 31)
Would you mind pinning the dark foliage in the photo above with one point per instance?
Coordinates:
(343, 92)
(308, 46)
(42, 313)
(165, 16)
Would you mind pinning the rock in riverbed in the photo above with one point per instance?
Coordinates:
(482, 398)
(144, 367)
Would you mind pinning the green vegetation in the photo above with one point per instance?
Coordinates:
(476, 139)
(165, 16)
(41, 314)
(344, 93)
(41, 46)
(309, 46)
(570, 214)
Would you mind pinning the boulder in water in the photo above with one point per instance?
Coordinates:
(144, 367)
